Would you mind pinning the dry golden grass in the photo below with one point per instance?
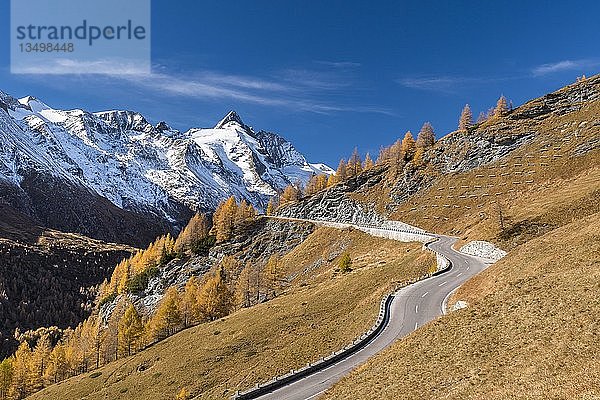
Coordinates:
(531, 332)
(538, 187)
(321, 312)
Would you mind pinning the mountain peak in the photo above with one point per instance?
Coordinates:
(231, 116)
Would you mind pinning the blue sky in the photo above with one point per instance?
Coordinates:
(332, 75)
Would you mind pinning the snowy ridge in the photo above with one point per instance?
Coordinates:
(122, 157)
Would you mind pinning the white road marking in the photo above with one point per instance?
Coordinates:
(424, 294)
(468, 268)
(459, 274)
(416, 309)
(416, 325)
(443, 283)
(315, 395)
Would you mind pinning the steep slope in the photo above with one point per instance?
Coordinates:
(47, 278)
(530, 331)
(116, 160)
(321, 311)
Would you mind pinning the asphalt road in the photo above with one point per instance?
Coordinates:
(412, 307)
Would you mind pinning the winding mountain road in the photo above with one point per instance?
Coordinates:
(411, 307)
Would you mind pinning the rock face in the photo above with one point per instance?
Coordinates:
(101, 168)
(334, 204)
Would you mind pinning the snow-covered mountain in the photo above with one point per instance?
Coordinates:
(120, 156)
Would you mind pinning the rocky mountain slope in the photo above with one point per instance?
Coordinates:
(87, 172)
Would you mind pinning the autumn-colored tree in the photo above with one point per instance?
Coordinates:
(408, 146)
(183, 394)
(418, 158)
(342, 171)
(466, 119)
(40, 359)
(197, 229)
(332, 180)
(215, 298)
(290, 194)
(58, 368)
(167, 319)
(272, 205)
(21, 371)
(131, 331)
(368, 163)
(501, 107)
(274, 275)
(224, 219)
(6, 377)
(345, 263)
(426, 136)
(354, 166)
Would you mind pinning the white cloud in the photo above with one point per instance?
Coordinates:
(564, 65)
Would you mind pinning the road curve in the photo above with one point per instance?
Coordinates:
(412, 307)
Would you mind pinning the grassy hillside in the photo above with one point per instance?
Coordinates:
(322, 311)
(531, 331)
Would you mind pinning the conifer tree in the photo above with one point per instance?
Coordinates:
(368, 163)
(418, 158)
(224, 219)
(354, 166)
(345, 263)
(244, 287)
(167, 318)
(58, 367)
(408, 146)
(331, 180)
(272, 206)
(40, 360)
(197, 229)
(426, 136)
(131, 331)
(6, 377)
(341, 173)
(501, 107)
(274, 272)
(466, 119)
(290, 194)
(216, 301)
(190, 310)
(20, 387)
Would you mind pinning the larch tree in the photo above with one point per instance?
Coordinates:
(272, 205)
(6, 377)
(274, 275)
(290, 194)
(466, 119)
(190, 310)
(215, 298)
(332, 180)
(501, 107)
(345, 263)
(342, 172)
(368, 163)
(197, 229)
(167, 318)
(131, 331)
(408, 146)
(244, 287)
(426, 136)
(354, 166)
(418, 158)
(224, 219)
(40, 360)
(20, 387)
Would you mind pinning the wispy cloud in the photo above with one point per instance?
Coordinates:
(339, 64)
(437, 83)
(298, 89)
(564, 65)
